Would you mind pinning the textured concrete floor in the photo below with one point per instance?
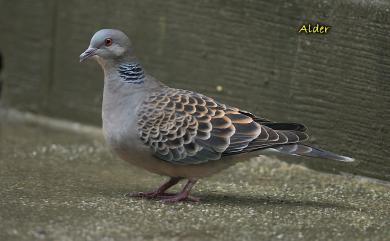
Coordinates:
(59, 185)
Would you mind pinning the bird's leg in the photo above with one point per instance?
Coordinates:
(184, 195)
(159, 192)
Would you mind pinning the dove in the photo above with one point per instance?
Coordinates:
(180, 134)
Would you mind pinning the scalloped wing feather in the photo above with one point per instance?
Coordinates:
(184, 127)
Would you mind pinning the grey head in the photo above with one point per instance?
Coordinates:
(108, 45)
(113, 51)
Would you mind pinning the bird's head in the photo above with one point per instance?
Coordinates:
(108, 44)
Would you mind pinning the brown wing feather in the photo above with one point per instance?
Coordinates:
(185, 127)
(273, 137)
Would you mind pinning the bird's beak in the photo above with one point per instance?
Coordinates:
(87, 53)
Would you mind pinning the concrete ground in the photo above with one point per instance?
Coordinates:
(63, 185)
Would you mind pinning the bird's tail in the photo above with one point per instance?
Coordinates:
(305, 150)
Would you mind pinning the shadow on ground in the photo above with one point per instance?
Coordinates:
(250, 201)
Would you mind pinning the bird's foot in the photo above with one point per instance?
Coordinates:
(159, 192)
(181, 197)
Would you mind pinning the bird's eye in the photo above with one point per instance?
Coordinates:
(108, 42)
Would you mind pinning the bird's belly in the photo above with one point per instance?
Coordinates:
(127, 145)
(142, 157)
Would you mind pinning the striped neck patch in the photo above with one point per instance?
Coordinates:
(131, 73)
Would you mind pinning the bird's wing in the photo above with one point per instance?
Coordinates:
(185, 127)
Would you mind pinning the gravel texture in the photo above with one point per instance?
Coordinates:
(62, 185)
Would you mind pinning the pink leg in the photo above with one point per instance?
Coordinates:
(184, 195)
(159, 192)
